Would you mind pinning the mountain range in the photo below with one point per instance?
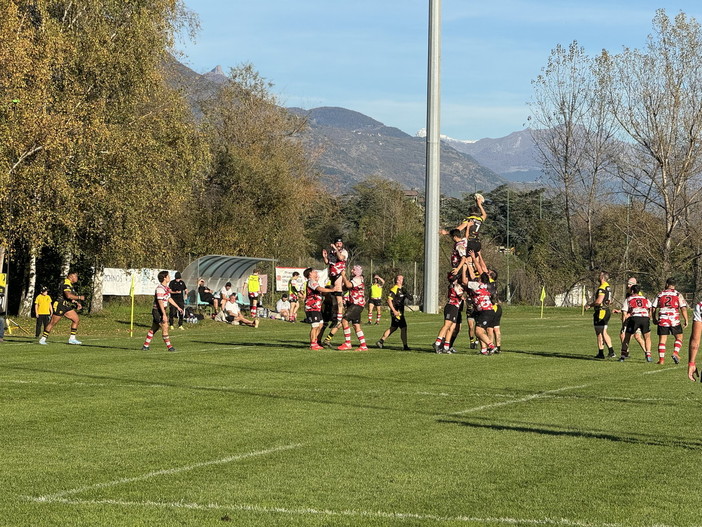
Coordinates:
(354, 146)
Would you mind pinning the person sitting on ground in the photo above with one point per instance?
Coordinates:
(206, 294)
(283, 307)
(231, 308)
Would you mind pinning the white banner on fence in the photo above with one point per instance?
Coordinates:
(118, 282)
(284, 274)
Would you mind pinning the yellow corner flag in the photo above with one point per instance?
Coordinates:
(131, 318)
(542, 298)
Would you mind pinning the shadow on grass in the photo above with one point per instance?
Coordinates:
(554, 355)
(136, 324)
(556, 431)
(221, 390)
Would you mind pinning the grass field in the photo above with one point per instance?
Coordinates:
(251, 427)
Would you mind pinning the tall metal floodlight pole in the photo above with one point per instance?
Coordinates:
(432, 188)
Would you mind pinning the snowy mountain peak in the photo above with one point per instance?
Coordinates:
(423, 133)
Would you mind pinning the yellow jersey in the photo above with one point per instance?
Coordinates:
(43, 305)
(254, 283)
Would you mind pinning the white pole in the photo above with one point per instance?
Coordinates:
(433, 173)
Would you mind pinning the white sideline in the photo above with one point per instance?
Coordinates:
(564, 522)
(660, 371)
(165, 472)
(522, 400)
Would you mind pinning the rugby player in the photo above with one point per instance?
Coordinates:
(396, 302)
(162, 298)
(67, 306)
(667, 308)
(637, 313)
(313, 305)
(357, 301)
(600, 319)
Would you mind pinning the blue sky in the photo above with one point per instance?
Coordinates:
(371, 55)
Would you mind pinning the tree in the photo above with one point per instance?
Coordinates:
(260, 190)
(382, 223)
(656, 96)
(574, 136)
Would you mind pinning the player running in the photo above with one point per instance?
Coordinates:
(162, 298)
(667, 308)
(396, 302)
(68, 306)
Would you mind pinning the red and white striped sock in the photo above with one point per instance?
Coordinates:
(678, 345)
(377, 318)
(370, 317)
(361, 338)
(661, 350)
(149, 338)
(347, 335)
(167, 341)
(253, 311)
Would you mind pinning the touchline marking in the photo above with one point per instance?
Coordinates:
(565, 522)
(165, 472)
(661, 371)
(522, 400)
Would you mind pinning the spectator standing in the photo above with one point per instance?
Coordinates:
(254, 286)
(43, 310)
(375, 301)
(179, 292)
(296, 293)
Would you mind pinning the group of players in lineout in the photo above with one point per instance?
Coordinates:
(339, 303)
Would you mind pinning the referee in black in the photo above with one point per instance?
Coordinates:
(178, 293)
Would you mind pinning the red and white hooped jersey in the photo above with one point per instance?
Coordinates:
(669, 303)
(337, 266)
(455, 293)
(459, 251)
(637, 306)
(357, 293)
(313, 300)
(697, 312)
(481, 296)
(162, 295)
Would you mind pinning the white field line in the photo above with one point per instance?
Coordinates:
(522, 400)
(564, 522)
(661, 371)
(165, 472)
(510, 398)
